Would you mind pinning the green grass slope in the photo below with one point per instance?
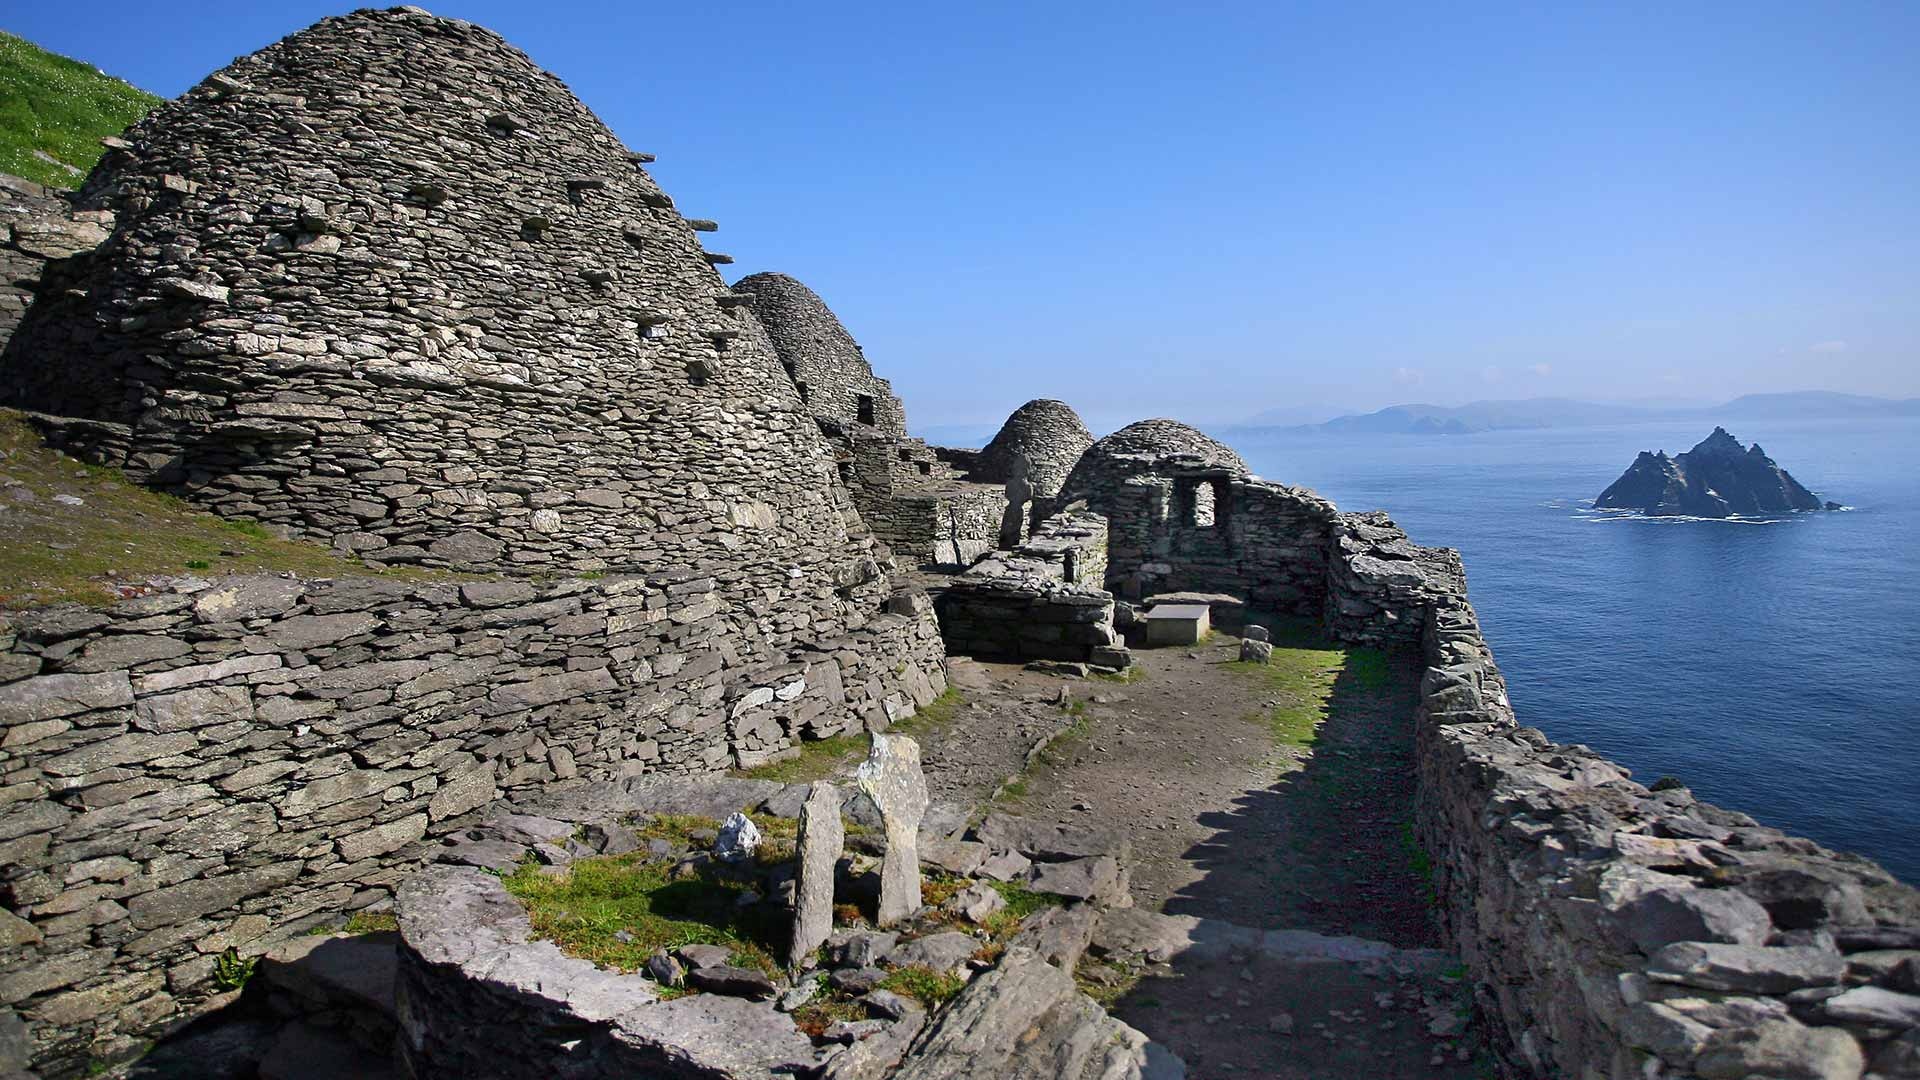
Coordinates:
(61, 108)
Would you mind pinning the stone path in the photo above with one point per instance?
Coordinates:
(1236, 834)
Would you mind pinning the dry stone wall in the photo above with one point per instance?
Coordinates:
(1041, 602)
(38, 226)
(1048, 433)
(227, 763)
(386, 283)
(1613, 929)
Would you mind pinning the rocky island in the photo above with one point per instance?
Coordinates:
(1717, 478)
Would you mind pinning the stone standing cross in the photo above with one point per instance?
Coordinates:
(891, 777)
(821, 835)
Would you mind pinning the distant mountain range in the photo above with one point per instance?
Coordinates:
(1564, 412)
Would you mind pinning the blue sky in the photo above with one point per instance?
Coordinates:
(1209, 211)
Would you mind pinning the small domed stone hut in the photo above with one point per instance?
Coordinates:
(1186, 515)
(1050, 435)
(907, 492)
(828, 368)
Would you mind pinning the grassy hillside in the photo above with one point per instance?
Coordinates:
(61, 108)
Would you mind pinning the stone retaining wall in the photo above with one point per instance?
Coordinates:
(1042, 602)
(1613, 929)
(226, 764)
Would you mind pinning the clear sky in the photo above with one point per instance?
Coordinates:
(1211, 210)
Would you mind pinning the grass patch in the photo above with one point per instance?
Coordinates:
(371, 922)
(52, 551)
(816, 1016)
(1132, 674)
(615, 911)
(1301, 676)
(1022, 901)
(1119, 980)
(61, 108)
(821, 759)
(925, 985)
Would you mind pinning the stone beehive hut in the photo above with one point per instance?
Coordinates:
(827, 367)
(387, 283)
(1146, 448)
(1051, 436)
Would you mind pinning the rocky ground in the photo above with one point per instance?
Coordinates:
(1277, 924)
(1244, 830)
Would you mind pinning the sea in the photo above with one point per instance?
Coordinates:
(1771, 664)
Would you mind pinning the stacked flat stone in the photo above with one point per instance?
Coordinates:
(1147, 447)
(912, 499)
(37, 226)
(822, 356)
(388, 284)
(1049, 434)
(231, 763)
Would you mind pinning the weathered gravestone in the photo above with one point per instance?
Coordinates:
(821, 835)
(891, 777)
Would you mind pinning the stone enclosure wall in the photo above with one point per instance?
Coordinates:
(1616, 930)
(224, 764)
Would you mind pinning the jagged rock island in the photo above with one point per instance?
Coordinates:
(1717, 478)
(633, 697)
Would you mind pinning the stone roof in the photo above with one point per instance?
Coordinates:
(1156, 447)
(386, 282)
(826, 365)
(1049, 433)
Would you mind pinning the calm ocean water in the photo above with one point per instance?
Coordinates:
(1771, 666)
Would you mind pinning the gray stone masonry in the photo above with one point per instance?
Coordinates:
(228, 763)
(1048, 433)
(1612, 929)
(820, 356)
(387, 284)
(38, 226)
(1042, 602)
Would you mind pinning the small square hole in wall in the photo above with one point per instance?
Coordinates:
(863, 408)
(698, 373)
(926, 468)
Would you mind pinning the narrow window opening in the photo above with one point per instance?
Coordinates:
(1203, 505)
(864, 409)
(926, 468)
(697, 374)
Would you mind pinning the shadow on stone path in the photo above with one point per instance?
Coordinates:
(1242, 832)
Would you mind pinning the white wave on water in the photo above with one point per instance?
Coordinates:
(1584, 510)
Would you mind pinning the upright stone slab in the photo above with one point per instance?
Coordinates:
(891, 777)
(821, 836)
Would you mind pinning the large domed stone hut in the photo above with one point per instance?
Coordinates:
(907, 492)
(387, 283)
(388, 286)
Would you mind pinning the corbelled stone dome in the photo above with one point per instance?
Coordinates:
(1051, 436)
(826, 365)
(1147, 448)
(388, 283)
